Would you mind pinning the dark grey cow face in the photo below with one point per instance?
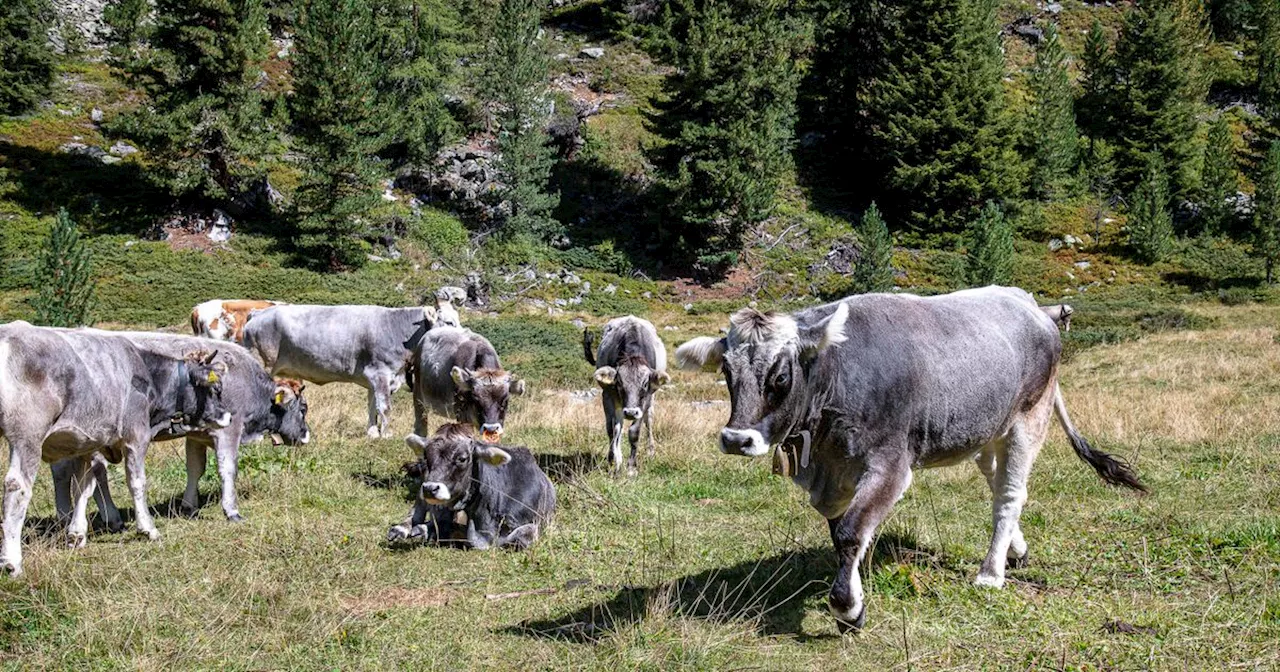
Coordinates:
(634, 383)
(289, 413)
(448, 462)
(482, 397)
(764, 359)
(199, 402)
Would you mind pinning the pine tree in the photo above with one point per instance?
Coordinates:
(339, 117)
(1055, 151)
(420, 44)
(204, 123)
(1219, 179)
(938, 118)
(1268, 50)
(1266, 212)
(731, 117)
(65, 277)
(991, 248)
(515, 83)
(874, 271)
(1159, 63)
(1150, 223)
(26, 58)
(1097, 84)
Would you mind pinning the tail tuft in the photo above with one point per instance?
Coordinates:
(1112, 470)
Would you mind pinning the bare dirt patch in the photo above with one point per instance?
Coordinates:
(397, 598)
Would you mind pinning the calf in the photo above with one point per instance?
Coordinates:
(475, 494)
(632, 366)
(68, 393)
(365, 345)
(224, 319)
(856, 394)
(259, 406)
(457, 374)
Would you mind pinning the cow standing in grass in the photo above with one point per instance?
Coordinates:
(66, 394)
(632, 365)
(456, 372)
(224, 319)
(857, 393)
(365, 345)
(259, 406)
(475, 494)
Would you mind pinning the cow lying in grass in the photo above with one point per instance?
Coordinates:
(856, 394)
(475, 495)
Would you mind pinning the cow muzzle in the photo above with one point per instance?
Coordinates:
(491, 432)
(632, 413)
(223, 420)
(435, 493)
(747, 442)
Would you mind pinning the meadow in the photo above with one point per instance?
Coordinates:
(703, 561)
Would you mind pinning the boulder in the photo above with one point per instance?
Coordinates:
(592, 52)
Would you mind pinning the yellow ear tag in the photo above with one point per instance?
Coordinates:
(279, 398)
(213, 377)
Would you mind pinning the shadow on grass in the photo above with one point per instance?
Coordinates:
(767, 595)
(563, 468)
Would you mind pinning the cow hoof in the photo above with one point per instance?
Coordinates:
(11, 568)
(76, 540)
(1019, 563)
(373, 433)
(190, 512)
(151, 535)
(989, 581)
(632, 472)
(115, 526)
(235, 518)
(854, 626)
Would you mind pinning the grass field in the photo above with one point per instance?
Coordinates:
(705, 561)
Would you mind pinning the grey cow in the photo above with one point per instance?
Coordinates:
(67, 394)
(365, 345)
(474, 494)
(859, 392)
(632, 365)
(259, 406)
(456, 372)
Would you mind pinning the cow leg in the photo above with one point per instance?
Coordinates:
(477, 540)
(987, 461)
(135, 473)
(633, 437)
(648, 423)
(1013, 457)
(24, 461)
(877, 491)
(63, 471)
(102, 495)
(197, 462)
(379, 405)
(82, 487)
(520, 538)
(227, 450)
(613, 427)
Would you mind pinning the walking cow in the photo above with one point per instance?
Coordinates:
(857, 393)
(632, 365)
(68, 393)
(365, 345)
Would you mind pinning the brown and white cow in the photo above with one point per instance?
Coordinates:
(224, 319)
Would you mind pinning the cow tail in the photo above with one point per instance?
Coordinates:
(1112, 470)
(588, 344)
(195, 322)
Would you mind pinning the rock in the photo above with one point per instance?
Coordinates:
(107, 159)
(1082, 265)
(688, 307)
(671, 327)
(610, 289)
(561, 302)
(123, 149)
(375, 258)
(452, 294)
(1070, 240)
(66, 113)
(1056, 244)
(220, 228)
(646, 295)
(575, 301)
(585, 395)
(95, 115)
(1032, 34)
(592, 52)
(1054, 8)
(586, 287)
(578, 323)
(562, 56)
(570, 278)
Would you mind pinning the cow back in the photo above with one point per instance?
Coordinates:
(631, 336)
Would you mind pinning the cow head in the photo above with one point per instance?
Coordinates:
(765, 359)
(446, 314)
(448, 462)
(199, 397)
(481, 398)
(289, 413)
(634, 383)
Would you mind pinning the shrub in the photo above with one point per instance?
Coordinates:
(991, 249)
(65, 277)
(440, 232)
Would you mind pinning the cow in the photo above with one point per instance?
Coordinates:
(632, 365)
(67, 393)
(857, 393)
(224, 319)
(456, 372)
(474, 494)
(1060, 314)
(446, 313)
(365, 345)
(259, 406)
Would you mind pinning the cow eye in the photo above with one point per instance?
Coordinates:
(781, 381)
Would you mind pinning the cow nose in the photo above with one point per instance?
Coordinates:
(632, 413)
(223, 420)
(495, 427)
(431, 488)
(742, 442)
(306, 438)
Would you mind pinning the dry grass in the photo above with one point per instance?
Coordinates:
(705, 561)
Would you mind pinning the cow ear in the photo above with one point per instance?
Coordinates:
(415, 442)
(491, 454)
(661, 378)
(606, 375)
(817, 337)
(461, 378)
(220, 367)
(702, 352)
(430, 314)
(517, 387)
(283, 394)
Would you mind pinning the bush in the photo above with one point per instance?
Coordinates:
(991, 249)
(547, 353)
(65, 277)
(600, 257)
(442, 233)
